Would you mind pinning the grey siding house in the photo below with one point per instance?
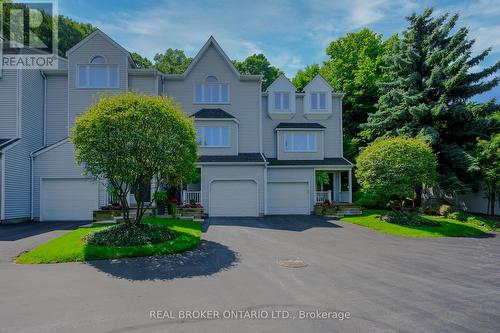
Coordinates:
(260, 152)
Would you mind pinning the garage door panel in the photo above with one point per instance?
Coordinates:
(288, 198)
(233, 198)
(67, 199)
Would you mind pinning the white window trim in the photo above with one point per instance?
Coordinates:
(78, 86)
(203, 84)
(202, 128)
(318, 103)
(315, 150)
(282, 93)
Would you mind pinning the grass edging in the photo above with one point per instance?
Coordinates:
(474, 226)
(71, 247)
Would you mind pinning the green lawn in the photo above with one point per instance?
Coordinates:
(71, 247)
(449, 228)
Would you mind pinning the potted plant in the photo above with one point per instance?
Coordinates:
(161, 200)
(172, 206)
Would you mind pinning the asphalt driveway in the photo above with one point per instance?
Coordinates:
(386, 283)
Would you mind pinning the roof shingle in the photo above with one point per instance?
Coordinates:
(338, 161)
(240, 158)
(7, 142)
(300, 125)
(212, 114)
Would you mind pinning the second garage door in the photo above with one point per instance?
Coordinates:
(67, 199)
(233, 198)
(288, 198)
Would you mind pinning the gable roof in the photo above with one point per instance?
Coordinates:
(279, 78)
(106, 37)
(300, 125)
(319, 77)
(212, 42)
(7, 142)
(212, 114)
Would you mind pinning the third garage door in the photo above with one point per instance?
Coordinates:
(288, 198)
(233, 198)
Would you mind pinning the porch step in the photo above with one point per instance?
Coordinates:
(104, 222)
(345, 207)
(353, 212)
(350, 210)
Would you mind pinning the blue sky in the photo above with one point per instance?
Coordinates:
(291, 34)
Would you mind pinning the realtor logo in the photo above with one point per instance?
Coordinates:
(28, 35)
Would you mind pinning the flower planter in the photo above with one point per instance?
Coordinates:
(325, 210)
(105, 215)
(196, 212)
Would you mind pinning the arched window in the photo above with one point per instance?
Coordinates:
(98, 74)
(211, 80)
(98, 60)
(211, 91)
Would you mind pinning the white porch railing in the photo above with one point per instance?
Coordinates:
(188, 196)
(344, 196)
(322, 196)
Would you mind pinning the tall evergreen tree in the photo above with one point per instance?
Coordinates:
(429, 84)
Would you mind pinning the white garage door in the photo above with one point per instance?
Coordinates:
(288, 198)
(67, 199)
(233, 198)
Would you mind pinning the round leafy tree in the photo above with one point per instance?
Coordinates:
(131, 140)
(395, 167)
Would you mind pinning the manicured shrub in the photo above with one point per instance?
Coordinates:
(408, 219)
(131, 235)
(370, 199)
(396, 167)
(459, 216)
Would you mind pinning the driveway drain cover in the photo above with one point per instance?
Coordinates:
(292, 263)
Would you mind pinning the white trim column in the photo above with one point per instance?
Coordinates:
(350, 185)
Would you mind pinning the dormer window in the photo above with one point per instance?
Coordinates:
(98, 74)
(282, 101)
(211, 91)
(318, 101)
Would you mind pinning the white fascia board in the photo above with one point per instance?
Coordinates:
(217, 119)
(48, 148)
(321, 167)
(231, 163)
(299, 129)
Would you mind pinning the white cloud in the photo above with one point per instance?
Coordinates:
(291, 34)
(486, 37)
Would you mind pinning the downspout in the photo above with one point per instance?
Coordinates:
(2, 192)
(44, 143)
(32, 177)
(261, 150)
(44, 126)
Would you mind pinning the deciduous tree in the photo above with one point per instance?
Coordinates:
(173, 61)
(487, 164)
(258, 64)
(131, 140)
(395, 167)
